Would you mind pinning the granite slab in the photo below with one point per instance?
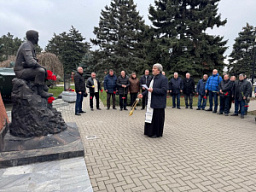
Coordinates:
(20, 151)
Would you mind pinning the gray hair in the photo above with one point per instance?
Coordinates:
(79, 68)
(187, 73)
(175, 73)
(158, 66)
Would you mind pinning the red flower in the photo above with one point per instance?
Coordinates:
(54, 78)
(91, 97)
(226, 94)
(101, 90)
(50, 100)
(246, 106)
(182, 96)
(49, 75)
(205, 97)
(123, 97)
(233, 101)
(114, 92)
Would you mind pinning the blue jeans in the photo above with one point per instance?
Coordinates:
(178, 100)
(199, 104)
(79, 101)
(241, 104)
(213, 96)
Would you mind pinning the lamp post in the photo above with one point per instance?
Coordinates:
(254, 60)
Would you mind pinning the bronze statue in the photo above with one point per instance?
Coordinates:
(27, 67)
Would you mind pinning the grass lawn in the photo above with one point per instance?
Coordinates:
(58, 90)
(103, 97)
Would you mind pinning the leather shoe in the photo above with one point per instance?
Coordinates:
(234, 114)
(98, 108)
(78, 114)
(208, 110)
(82, 112)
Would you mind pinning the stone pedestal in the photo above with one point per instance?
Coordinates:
(31, 115)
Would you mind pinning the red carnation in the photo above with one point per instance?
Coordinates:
(246, 106)
(205, 97)
(91, 97)
(101, 90)
(54, 78)
(114, 92)
(123, 97)
(226, 94)
(50, 100)
(49, 74)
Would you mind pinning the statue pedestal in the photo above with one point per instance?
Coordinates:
(20, 151)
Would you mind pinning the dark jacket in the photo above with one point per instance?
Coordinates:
(145, 80)
(188, 86)
(226, 87)
(134, 85)
(25, 58)
(241, 89)
(175, 85)
(110, 83)
(200, 88)
(158, 98)
(213, 82)
(79, 82)
(90, 83)
(123, 81)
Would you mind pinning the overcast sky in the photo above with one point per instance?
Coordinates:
(56, 16)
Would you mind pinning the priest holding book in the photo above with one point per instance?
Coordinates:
(156, 95)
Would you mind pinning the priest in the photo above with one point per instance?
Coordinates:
(156, 95)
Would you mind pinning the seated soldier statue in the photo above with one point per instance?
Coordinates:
(27, 67)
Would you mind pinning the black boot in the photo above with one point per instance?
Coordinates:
(42, 93)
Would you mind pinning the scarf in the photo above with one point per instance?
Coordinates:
(150, 111)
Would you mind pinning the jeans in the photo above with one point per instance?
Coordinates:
(201, 105)
(213, 96)
(123, 101)
(241, 104)
(190, 97)
(224, 104)
(79, 101)
(178, 100)
(113, 100)
(96, 94)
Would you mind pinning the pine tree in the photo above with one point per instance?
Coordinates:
(242, 56)
(69, 47)
(182, 43)
(119, 37)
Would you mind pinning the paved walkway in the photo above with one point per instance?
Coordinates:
(199, 151)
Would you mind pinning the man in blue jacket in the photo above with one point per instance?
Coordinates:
(200, 90)
(155, 115)
(110, 87)
(212, 88)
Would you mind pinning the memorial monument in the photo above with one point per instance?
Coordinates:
(31, 116)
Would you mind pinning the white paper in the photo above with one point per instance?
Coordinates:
(145, 86)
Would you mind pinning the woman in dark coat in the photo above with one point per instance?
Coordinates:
(155, 115)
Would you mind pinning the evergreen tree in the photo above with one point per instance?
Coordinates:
(9, 46)
(119, 37)
(69, 47)
(242, 56)
(180, 37)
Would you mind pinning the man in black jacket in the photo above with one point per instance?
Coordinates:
(94, 88)
(155, 115)
(225, 88)
(123, 83)
(241, 92)
(188, 90)
(80, 90)
(145, 80)
(175, 88)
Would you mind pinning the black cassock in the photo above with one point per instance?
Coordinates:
(156, 127)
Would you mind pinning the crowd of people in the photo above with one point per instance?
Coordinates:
(214, 88)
